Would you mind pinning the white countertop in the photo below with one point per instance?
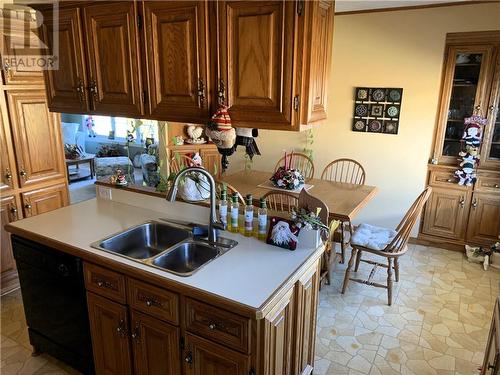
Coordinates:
(248, 274)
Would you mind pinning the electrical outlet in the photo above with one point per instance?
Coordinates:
(104, 192)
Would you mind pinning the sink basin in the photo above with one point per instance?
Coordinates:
(185, 258)
(144, 241)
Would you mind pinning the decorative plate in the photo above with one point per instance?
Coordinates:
(390, 127)
(378, 95)
(392, 111)
(361, 94)
(395, 95)
(375, 126)
(359, 125)
(361, 110)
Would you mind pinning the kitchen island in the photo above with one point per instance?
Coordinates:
(251, 310)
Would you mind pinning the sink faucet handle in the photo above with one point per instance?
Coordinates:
(219, 225)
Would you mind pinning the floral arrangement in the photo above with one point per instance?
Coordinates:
(304, 218)
(288, 179)
(73, 151)
(480, 251)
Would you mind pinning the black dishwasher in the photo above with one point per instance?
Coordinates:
(55, 304)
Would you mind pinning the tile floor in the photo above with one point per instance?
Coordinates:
(438, 323)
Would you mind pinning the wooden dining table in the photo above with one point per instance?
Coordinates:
(344, 201)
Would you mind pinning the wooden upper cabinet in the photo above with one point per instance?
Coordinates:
(36, 134)
(256, 51)
(67, 85)
(8, 177)
(111, 32)
(36, 202)
(176, 39)
(466, 84)
(19, 43)
(156, 346)
(484, 219)
(203, 357)
(446, 213)
(110, 336)
(490, 150)
(316, 59)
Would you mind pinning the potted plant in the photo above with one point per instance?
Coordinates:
(312, 230)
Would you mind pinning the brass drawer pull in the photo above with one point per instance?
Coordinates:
(136, 335)
(188, 358)
(474, 203)
(28, 206)
(215, 325)
(103, 283)
(462, 202)
(121, 329)
(13, 211)
(8, 175)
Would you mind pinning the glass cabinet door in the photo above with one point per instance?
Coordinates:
(466, 83)
(490, 149)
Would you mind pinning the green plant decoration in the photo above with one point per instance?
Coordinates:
(309, 141)
(248, 163)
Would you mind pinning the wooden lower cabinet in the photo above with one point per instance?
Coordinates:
(484, 219)
(203, 357)
(50, 198)
(210, 337)
(9, 212)
(446, 213)
(491, 362)
(110, 338)
(156, 346)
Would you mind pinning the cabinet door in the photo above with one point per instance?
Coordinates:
(491, 365)
(156, 346)
(113, 57)
(176, 50)
(278, 340)
(110, 340)
(307, 301)
(490, 150)
(484, 220)
(9, 213)
(203, 357)
(66, 86)
(256, 60)
(37, 139)
(212, 161)
(18, 47)
(38, 201)
(446, 213)
(8, 177)
(466, 82)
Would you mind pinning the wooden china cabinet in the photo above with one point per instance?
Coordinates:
(471, 85)
(32, 170)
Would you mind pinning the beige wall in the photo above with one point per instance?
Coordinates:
(387, 49)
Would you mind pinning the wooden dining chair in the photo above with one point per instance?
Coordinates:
(387, 243)
(346, 171)
(281, 201)
(179, 162)
(298, 161)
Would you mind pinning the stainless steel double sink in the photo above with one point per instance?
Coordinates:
(165, 245)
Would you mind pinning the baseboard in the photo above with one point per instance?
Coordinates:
(434, 242)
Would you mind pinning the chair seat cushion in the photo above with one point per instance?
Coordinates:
(372, 237)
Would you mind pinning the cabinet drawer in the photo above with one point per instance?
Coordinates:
(105, 282)
(154, 301)
(218, 325)
(444, 179)
(488, 184)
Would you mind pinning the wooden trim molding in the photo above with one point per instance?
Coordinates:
(414, 7)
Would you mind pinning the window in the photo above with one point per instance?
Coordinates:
(122, 125)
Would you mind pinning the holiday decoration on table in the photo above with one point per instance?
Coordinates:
(471, 142)
(246, 137)
(119, 178)
(282, 233)
(221, 132)
(287, 178)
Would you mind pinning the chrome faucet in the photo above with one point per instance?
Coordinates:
(213, 224)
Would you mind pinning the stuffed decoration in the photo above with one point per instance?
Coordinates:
(197, 160)
(89, 123)
(195, 134)
(246, 137)
(220, 131)
(471, 143)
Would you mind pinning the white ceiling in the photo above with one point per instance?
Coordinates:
(353, 5)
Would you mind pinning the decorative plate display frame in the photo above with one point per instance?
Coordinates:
(377, 109)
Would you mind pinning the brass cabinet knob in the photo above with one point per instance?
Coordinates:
(474, 203)
(462, 202)
(201, 91)
(188, 358)
(23, 173)
(80, 89)
(28, 206)
(13, 211)
(8, 175)
(496, 186)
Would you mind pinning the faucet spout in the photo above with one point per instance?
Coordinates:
(213, 223)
